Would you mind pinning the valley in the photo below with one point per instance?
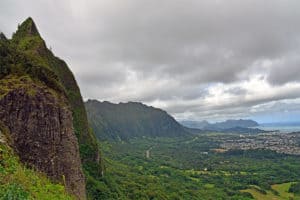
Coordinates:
(145, 159)
(190, 168)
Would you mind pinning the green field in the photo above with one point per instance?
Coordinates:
(280, 194)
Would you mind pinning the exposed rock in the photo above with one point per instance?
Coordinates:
(41, 128)
(60, 77)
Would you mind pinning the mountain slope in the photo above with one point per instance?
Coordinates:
(127, 120)
(41, 105)
(28, 40)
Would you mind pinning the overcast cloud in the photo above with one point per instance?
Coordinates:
(208, 59)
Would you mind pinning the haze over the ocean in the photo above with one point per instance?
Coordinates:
(209, 59)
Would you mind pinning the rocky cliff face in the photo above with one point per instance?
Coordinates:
(41, 105)
(42, 134)
(60, 77)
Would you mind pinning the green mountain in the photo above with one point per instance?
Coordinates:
(42, 109)
(127, 120)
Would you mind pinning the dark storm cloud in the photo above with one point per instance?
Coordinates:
(172, 53)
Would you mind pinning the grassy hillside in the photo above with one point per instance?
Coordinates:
(127, 120)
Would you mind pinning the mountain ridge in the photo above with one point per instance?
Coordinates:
(131, 119)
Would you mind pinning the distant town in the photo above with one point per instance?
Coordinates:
(287, 143)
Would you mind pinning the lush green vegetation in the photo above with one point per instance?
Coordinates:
(188, 168)
(19, 182)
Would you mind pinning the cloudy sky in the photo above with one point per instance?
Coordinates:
(197, 59)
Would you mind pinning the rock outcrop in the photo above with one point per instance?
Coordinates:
(41, 129)
(28, 40)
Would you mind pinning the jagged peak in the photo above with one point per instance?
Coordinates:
(27, 28)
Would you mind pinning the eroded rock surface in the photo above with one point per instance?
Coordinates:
(41, 129)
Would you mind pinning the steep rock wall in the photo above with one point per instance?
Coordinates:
(41, 129)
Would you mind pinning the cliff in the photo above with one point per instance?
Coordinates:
(41, 105)
(18, 181)
(42, 133)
